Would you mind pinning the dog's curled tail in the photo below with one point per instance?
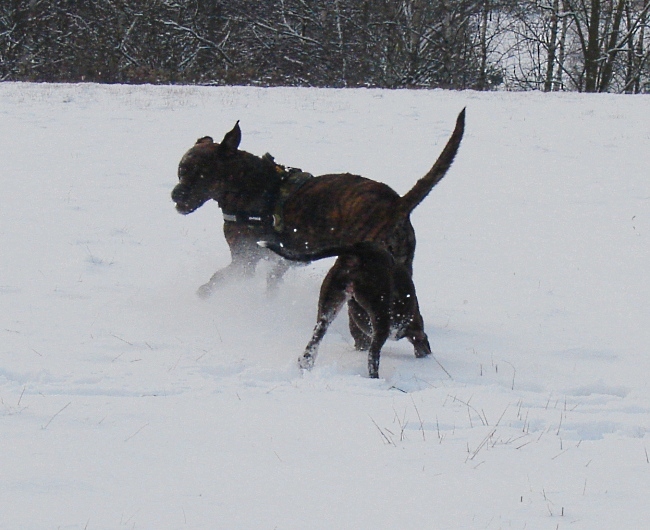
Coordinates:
(423, 186)
(305, 256)
(363, 247)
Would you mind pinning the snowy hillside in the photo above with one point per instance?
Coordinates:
(128, 402)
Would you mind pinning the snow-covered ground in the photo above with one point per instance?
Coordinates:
(128, 402)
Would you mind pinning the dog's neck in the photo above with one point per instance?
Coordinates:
(250, 187)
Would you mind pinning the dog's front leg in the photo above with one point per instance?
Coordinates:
(276, 274)
(236, 270)
(245, 255)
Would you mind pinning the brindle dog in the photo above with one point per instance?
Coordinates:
(379, 291)
(261, 200)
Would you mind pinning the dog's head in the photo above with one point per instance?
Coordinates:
(202, 169)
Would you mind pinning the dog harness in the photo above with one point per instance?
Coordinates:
(292, 179)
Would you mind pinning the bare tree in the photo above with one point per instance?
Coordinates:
(586, 45)
(25, 37)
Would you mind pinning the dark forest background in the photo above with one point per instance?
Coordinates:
(577, 45)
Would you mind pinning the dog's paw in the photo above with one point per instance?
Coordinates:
(421, 346)
(205, 291)
(306, 362)
(373, 365)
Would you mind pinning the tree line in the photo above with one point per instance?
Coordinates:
(575, 45)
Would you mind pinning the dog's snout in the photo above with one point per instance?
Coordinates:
(179, 194)
(185, 201)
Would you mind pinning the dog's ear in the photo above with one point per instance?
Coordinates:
(230, 142)
(205, 140)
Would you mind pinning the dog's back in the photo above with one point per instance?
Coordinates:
(343, 210)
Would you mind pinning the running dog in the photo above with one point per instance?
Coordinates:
(262, 200)
(380, 295)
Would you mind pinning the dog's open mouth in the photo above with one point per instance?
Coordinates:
(185, 208)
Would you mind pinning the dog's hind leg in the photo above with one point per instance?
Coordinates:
(381, 331)
(306, 361)
(411, 321)
(333, 295)
(359, 323)
(420, 343)
(415, 332)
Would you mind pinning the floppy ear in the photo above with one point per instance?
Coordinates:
(230, 142)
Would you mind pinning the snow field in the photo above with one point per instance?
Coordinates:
(127, 402)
